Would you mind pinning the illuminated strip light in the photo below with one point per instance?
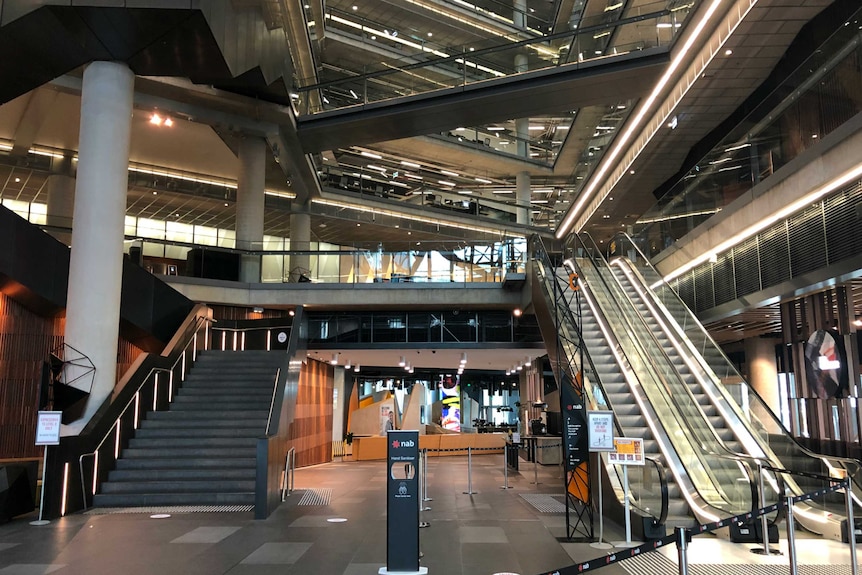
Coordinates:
(413, 218)
(242, 342)
(95, 470)
(414, 45)
(156, 391)
(65, 489)
(5, 146)
(762, 224)
(46, 153)
(117, 442)
(694, 214)
(195, 347)
(268, 340)
(436, 10)
(137, 409)
(183, 370)
(171, 387)
(622, 143)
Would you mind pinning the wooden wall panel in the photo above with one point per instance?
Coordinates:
(26, 339)
(311, 430)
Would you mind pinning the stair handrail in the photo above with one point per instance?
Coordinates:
(186, 336)
(272, 400)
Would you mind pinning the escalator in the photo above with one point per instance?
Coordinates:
(739, 415)
(707, 482)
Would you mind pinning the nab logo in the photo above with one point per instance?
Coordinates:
(396, 444)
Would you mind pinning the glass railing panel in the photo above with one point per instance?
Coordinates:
(425, 67)
(777, 442)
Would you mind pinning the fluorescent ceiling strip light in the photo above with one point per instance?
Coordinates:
(414, 45)
(621, 144)
(762, 224)
(413, 218)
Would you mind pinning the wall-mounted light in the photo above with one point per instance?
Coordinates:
(257, 310)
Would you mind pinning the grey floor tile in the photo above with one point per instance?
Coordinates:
(277, 553)
(362, 569)
(206, 535)
(477, 534)
(29, 569)
(311, 521)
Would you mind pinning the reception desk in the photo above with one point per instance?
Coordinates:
(372, 447)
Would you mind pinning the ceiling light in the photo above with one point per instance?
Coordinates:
(728, 52)
(410, 164)
(483, 181)
(334, 360)
(169, 122)
(463, 357)
(402, 362)
(517, 312)
(17, 180)
(370, 155)
(451, 174)
(430, 34)
(355, 7)
(156, 119)
(527, 361)
(446, 183)
(496, 128)
(257, 310)
(356, 368)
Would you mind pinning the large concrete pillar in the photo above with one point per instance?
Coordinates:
(60, 189)
(300, 240)
(763, 370)
(249, 204)
(96, 266)
(522, 197)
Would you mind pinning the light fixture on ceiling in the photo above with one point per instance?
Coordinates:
(402, 362)
(356, 368)
(347, 364)
(528, 361)
(334, 360)
(258, 310)
(463, 357)
(517, 312)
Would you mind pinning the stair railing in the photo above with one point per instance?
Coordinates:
(150, 385)
(287, 483)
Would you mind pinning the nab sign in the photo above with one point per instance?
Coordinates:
(402, 502)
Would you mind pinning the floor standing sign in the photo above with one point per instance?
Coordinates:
(600, 431)
(47, 433)
(627, 451)
(402, 504)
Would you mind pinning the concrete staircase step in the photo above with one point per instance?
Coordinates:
(163, 499)
(189, 463)
(186, 486)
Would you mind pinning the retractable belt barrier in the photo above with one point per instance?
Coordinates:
(623, 554)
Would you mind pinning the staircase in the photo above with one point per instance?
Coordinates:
(202, 450)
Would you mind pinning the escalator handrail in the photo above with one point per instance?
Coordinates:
(751, 391)
(661, 469)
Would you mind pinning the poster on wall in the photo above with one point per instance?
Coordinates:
(826, 365)
(387, 419)
(450, 391)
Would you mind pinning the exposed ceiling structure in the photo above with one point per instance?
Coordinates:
(361, 53)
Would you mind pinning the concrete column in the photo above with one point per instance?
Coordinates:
(60, 188)
(249, 205)
(519, 17)
(96, 266)
(522, 197)
(300, 239)
(763, 371)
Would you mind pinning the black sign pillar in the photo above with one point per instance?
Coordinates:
(402, 503)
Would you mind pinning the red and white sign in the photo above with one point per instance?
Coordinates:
(48, 427)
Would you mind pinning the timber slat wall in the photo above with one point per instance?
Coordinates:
(26, 339)
(311, 430)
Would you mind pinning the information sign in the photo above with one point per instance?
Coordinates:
(402, 503)
(627, 451)
(600, 428)
(574, 426)
(48, 427)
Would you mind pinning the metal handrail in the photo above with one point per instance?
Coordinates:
(289, 477)
(272, 400)
(134, 399)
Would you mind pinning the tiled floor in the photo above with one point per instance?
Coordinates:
(492, 531)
